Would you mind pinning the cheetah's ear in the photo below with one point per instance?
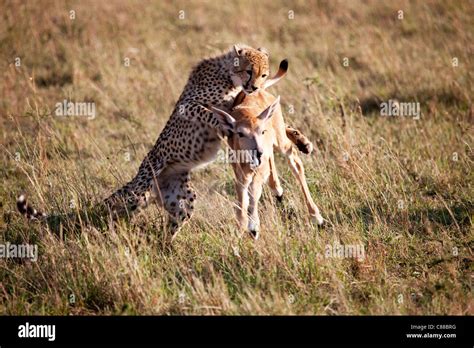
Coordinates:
(264, 51)
(226, 121)
(237, 50)
(268, 112)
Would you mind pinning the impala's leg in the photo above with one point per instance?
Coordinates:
(299, 139)
(242, 183)
(286, 147)
(255, 193)
(274, 181)
(298, 170)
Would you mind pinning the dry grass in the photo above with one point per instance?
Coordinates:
(364, 165)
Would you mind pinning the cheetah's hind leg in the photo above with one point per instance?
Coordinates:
(178, 199)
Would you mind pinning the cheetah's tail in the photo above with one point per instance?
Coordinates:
(28, 211)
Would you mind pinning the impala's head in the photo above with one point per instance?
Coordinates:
(249, 132)
(250, 69)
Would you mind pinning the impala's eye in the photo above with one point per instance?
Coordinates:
(241, 135)
(264, 131)
(249, 72)
(264, 75)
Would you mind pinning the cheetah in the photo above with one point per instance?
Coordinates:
(191, 137)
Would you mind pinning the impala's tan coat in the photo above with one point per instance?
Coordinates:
(257, 125)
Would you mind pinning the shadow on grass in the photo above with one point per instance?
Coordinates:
(371, 105)
(459, 214)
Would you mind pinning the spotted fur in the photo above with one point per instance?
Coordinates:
(192, 136)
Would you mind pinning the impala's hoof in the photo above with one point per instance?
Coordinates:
(253, 229)
(255, 234)
(319, 220)
(305, 148)
(300, 140)
(279, 199)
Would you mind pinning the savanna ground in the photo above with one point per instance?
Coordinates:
(400, 187)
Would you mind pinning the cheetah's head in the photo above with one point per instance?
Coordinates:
(250, 69)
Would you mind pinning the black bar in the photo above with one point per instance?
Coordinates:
(287, 330)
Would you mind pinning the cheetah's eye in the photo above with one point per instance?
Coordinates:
(264, 75)
(241, 135)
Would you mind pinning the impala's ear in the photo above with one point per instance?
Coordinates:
(279, 75)
(268, 112)
(237, 50)
(264, 51)
(226, 121)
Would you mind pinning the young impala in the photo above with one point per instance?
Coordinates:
(256, 126)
